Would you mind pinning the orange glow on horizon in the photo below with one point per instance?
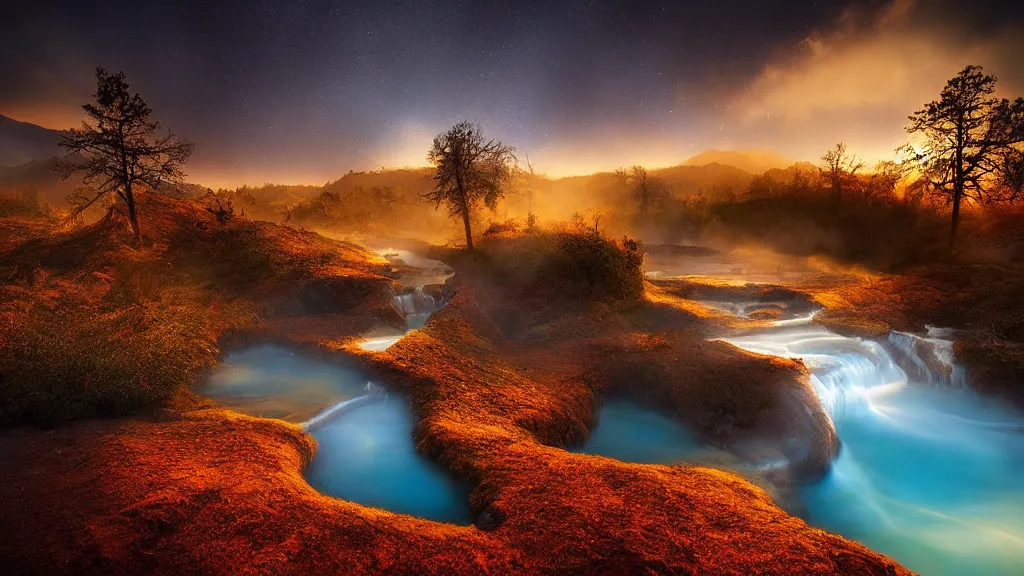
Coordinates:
(47, 116)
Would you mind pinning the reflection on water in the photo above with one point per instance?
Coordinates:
(366, 455)
(274, 382)
(932, 476)
(380, 343)
(365, 450)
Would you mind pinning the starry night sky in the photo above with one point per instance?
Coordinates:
(306, 90)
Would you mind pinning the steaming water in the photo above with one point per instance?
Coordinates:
(424, 270)
(930, 475)
(416, 307)
(366, 455)
(274, 382)
(365, 443)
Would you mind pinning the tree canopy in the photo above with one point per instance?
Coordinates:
(118, 149)
(839, 168)
(469, 170)
(971, 143)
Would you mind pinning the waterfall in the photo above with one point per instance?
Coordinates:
(415, 306)
(929, 359)
(415, 302)
(930, 470)
(846, 372)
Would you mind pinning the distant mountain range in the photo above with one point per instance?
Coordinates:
(753, 161)
(21, 142)
(28, 156)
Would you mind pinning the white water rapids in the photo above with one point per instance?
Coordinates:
(930, 472)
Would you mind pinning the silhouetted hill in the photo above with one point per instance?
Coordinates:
(40, 176)
(788, 173)
(21, 142)
(753, 161)
(712, 179)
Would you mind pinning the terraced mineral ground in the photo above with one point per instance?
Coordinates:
(109, 463)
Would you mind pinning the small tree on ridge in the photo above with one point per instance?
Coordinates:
(469, 170)
(118, 149)
(645, 189)
(839, 169)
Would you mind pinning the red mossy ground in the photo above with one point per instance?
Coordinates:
(96, 325)
(211, 491)
(216, 492)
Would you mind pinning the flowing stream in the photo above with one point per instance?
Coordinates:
(415, 304)
(930, 472)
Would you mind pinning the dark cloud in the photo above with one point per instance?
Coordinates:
(305, 90)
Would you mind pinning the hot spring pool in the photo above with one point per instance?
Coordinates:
(365, 451)
(367, 456)
(275, 382)
(631, 433)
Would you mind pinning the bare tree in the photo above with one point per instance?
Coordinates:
(839, 169)
(645, 189)
(972, 143)
(119, 150)
(469, 170)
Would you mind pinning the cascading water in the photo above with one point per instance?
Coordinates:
(929, 358)
(415, 304)
(930, 472)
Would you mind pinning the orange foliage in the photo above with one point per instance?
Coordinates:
(211, 491)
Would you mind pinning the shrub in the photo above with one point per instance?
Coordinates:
(509, 226)
(72, 361)
(566, 265)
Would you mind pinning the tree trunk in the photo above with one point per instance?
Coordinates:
(469, 233)
(958, 186)
(133, 216)
(955, 222)
(464, 204)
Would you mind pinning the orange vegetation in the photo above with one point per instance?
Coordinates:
(94, 325)
(211, 491)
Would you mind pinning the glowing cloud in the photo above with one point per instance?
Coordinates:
(858, 80)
